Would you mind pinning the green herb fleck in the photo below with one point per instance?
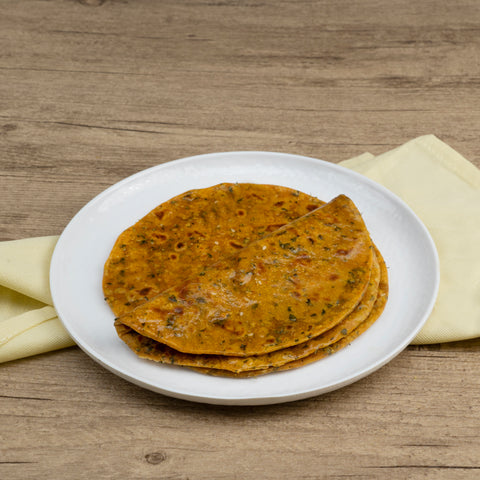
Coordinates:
(219, 321)
(285, 246)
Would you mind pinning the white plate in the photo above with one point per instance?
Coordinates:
(79, 257)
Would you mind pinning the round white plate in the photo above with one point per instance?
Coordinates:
(80, 254)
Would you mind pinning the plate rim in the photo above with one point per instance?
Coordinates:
(245, 400)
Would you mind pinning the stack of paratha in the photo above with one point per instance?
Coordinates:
(244, 279)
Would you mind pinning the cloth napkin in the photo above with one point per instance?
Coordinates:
(443, 189)
(28, 322)
(441, 186)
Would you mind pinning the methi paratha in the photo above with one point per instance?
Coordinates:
(197, 228)
(377, 310)
(150, 349)
(278, 291)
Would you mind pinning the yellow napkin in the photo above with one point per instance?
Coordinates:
(443, 189)
(438, 183)
(28, 322)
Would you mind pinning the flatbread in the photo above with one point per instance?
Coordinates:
(278, 291)
(180, 237)
(377, 310)
(150, 349)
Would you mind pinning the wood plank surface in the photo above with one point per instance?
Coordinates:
(92, 91)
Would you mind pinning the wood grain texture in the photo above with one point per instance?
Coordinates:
(92, 91)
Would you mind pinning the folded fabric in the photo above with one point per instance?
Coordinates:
(443, 189)
(28, 322)
(441, 186)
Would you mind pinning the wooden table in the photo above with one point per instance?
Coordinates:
(92, 91)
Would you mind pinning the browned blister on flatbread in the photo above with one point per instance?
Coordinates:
(281, 290)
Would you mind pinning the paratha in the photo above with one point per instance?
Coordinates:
(180, 237)
(150, 349)
(278, 291)
(321, 353)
